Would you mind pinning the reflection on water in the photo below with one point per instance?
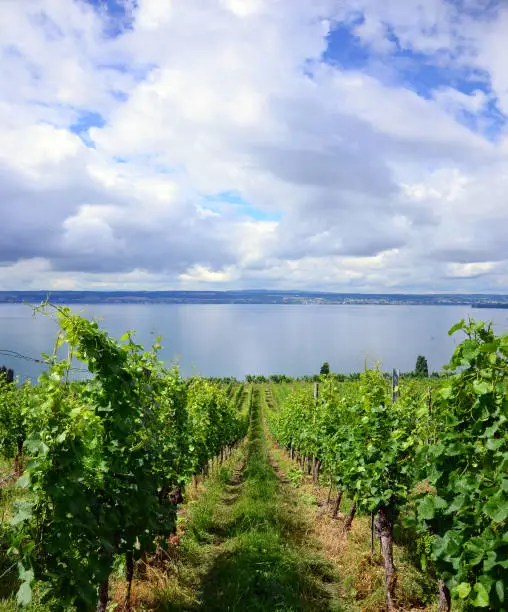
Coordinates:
(234, 340)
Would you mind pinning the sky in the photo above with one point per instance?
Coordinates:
(336, 145)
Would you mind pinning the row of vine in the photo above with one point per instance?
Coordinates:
(107, 458)
(440, 466)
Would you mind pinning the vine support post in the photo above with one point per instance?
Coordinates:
(429, 412)
(18, 460)
(315, 461)
(349, 520)
(395, 385)
(445, 601)
(102, 604)
(384, 530)
(316, 468)
(329, 490)
(336, 504)
(372, 536)
(129, 575)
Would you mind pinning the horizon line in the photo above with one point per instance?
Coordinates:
(279, 291)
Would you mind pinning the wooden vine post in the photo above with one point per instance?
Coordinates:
(372, 517)
(336, 504)
(395, 385)
(445, 600)
(383, 525)
(429, 411)
(315, 459)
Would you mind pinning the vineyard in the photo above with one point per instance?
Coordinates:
(136, 478)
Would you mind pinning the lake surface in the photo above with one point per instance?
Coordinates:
(235, 340)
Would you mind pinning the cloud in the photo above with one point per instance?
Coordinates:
(365, 143)
(471, 270)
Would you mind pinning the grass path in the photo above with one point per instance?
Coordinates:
(245, 544)
(361, 575)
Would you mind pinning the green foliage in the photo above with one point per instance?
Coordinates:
(421, 368)
(380, 447)
(213, 422)
(295, 476)
(424, 548)
(467, 468)
(105, 456)
(280, 378)
(364, 443)
(325, 369)
(284, 378)
(13, 402)
(256, 378)
(451, 434)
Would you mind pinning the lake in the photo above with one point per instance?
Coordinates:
(235, 340)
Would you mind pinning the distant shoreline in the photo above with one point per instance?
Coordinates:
(253, 297)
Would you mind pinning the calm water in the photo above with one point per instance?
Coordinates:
(234, 340)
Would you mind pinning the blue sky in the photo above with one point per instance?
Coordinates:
(424, 73)
(117, 15)
(345, 146)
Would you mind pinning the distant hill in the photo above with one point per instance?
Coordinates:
(254, 296)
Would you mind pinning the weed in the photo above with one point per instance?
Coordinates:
(295, 475)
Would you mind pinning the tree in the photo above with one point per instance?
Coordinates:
(325, 368)
(421, 368)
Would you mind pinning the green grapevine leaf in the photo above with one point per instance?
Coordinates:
(500, 590)
(463, 590)
(446, 392)
(482, 596)
(497, 507)
(494, 444)
(23, 481)
(22, 512)
(24, 595)
(456, 327)
(481, 387)
(426, 508)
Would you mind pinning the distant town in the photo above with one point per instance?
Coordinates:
(252, 297)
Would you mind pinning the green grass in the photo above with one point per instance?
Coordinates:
(362, 579)
(247, 543)
(8, 571)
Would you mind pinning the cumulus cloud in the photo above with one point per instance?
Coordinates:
(350, 145)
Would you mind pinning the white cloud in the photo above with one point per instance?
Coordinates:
(244, 8)
(374, 33)
(346, 178)
(153, 14)
(38, 150)
(454, 101)
(471, 270)
(201, 274)
(490, 56)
